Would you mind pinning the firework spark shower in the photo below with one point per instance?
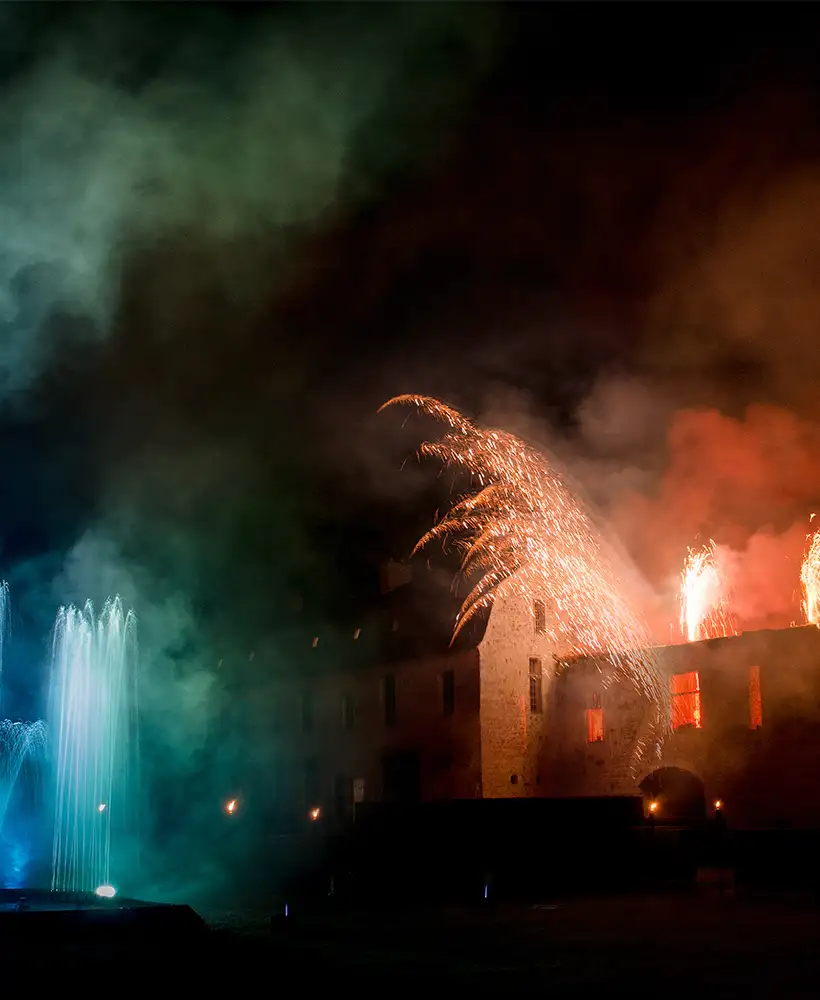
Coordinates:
(810, 580)
(703, 596)
(521, 529)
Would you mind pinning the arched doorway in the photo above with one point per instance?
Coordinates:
(678, 795)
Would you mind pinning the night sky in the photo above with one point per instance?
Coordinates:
(230, 233)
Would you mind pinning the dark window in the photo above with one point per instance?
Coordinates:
(312, 785)
(448, 692)
(343, 796)
(389, 698)
(536, 682)
(401, 776)
(307, 711)
(348, 711)
(539, 610)
(513, 779)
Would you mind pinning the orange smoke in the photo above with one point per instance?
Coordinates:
(746, 483)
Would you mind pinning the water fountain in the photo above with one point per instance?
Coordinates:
(92, 732)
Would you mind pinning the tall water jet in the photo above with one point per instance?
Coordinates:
(18, 741)
(22, 753)
(93, 736)
(4, 621)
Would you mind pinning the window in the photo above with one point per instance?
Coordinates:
(539, 610)
(348, 711)
(389, 699)
(448, 692)
(307, 711)
(312, 785)
(536, 680)
(343, 796)
(755, 701)
(595, 725)
(685, 690)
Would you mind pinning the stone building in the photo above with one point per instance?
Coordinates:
(745, 730)
(502, 712)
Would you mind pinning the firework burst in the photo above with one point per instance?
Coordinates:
(810, 579)
(704, 597)
(522, 530)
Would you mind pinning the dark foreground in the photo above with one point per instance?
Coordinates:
(666, 945)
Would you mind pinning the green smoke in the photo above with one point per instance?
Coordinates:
(222, 136)
(161, 177)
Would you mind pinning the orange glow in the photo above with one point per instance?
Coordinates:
(685, 690)
(810, 579)
(315, 813)
(703, 597)
(595, 725)
(230, 807)
(718, 805)
(653, 807)
(755, 699)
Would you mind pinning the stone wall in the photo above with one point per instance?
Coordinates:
(512, 735)
(764, 776)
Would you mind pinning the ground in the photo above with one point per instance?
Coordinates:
(670, 945)
(673, 945)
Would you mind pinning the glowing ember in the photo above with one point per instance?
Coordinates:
(521, 530)
(230, 807)
(703, 597)
(315, 813)
(810, 579)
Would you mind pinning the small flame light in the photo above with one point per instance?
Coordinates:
(101, 807)
(315, 813)
(718, 805)
(653, 807)
(105, 891)
(230, 807)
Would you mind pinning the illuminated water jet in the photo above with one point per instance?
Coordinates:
(93, 739)
(19, 741)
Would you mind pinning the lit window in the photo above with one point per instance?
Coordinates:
(595, 725)
(686, 701)
(539, 610)
(536, 682)
(755, 701)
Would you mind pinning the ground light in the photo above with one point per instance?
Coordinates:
(105, 891)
